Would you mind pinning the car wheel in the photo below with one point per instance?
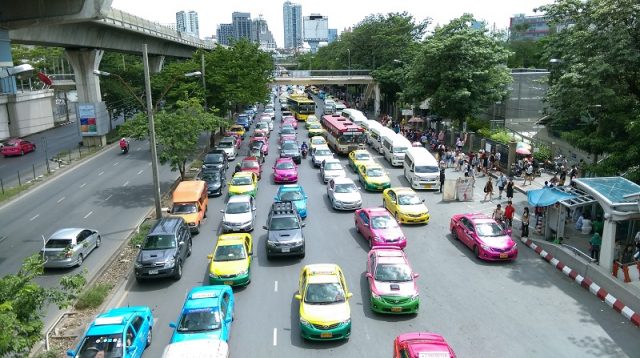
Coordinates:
(80, 260)
(149, 337)
(454, 234)
(476, 251)
(189, 248)
(198, 229)
(178, 274)
(370, 243)
(357, 228)
(98, 242)
(397, 217)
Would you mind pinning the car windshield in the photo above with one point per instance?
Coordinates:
(226, 144)
(256, 144)
(323, 153)
(289, 146)
(332, 166)
(213, 159)
(291, 196)
(199, 320)
(346, 188)
(393, 273)
(489, 229)
(375, 172)
(262, 125)
(159, 242)
(424, 169)
(409, 199)
(284, 165)
(184, 208)
(318, 141)
(324, 293)
(383, 222)
(363, 156)
(288, 130)
(315, 125)
(237, 208)
(58, 244)
(284, 223)
(230, 253)
(250, 165)
(107, 346)
(399, 149)
(241, 181)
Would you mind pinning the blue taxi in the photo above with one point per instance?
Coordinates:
(207, 313)
(295, 193)
(120, 332)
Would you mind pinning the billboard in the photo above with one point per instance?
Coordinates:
(92, 119)
(316, 28)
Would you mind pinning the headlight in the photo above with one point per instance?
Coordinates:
(415, 296)
(485, 247)
(373, 295)
(346, 321)
(246, 223)
(515, 246)
(376, 238)
(271, 243)
(170, 263)
(243, 272)
(304, 322)
(137, 264)
(213, 275)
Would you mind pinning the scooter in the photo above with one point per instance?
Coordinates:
(305, 151)
(124, 149)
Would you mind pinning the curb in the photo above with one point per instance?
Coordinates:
(586, 283)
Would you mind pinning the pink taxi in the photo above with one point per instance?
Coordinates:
(379, 227)
(290, 121)
(252, 165)
(421, 344)
(392, 282)
(482, 234)
(265, 144)
(285, 171)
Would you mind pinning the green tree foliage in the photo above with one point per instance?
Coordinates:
(526, 54)
(460, 69)
(22, 304)
(177, 131)
(44, 59)
(170, 85)
(118, 96)
(595, 88)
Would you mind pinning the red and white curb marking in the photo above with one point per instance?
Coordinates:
(586, 283)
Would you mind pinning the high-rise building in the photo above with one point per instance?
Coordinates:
(332, 35)
(261, 34)
(188, 22)
(241, 25)
(523, 27)
(224, 33)
(292, 16)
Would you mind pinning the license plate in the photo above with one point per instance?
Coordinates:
(396, 309)
(503, 256)
(228, 283)
(153, 272)
(428, 186)
(326, 335)
(286, 249)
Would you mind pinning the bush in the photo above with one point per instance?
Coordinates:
(542, 154)
(501, 137)
(477, 125)
(138, 237)
(93, 296)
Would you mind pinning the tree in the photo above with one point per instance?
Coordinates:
(595, 86)
(526, 54)
(460, 69)
(115, 94)
(23, 301)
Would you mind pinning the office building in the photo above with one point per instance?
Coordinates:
(187, 22)
(332, 35)
(523, 27)
(292, 16)
(241, 22)
(261, 34)
(224, 33)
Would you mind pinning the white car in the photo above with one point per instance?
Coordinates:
(320, 154)
(331, 168)
(239, 214)
(344, 194)
(270, 111)
(263, 125)
(228, 144)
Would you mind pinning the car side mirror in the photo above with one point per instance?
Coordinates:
(423, 200)
(71, 353)
(138, 246)
(172, 325)
(275, 198)
(265, 227)
(366, 224)
(254, 208)
(349, 295)
(228, 319)
(166, 209)
(369, 275)
(416, 275)
(298, 296)
(181, 243)
(209, 256)
(131, 349)
(250, 253)
(222, 211)
(304, 224)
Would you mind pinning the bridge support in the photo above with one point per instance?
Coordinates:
(156, 63)
(7, 84)
(84, 62)
(376, 101)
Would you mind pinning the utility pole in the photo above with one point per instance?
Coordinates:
(152, 134)
(204, 82)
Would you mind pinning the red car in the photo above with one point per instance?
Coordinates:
(265, 144)
(482, 234)
(290, 121)
(251, 164)
(236, 137)
(421, 344)
(17, 146)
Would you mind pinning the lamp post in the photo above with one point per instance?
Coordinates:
(349, 56)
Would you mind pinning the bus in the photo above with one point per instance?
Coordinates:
(343, 136)
(301, 106)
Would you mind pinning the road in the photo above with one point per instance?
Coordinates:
(520, 309)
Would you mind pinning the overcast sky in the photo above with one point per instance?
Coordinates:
(341, 13)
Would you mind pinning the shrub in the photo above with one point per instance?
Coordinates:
(501, 137)
(542, 154)
(93, 296)
(138, 237)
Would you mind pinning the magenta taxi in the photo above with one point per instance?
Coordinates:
(421, 344)
(392, 282)
(482, 234)
(285, 171)
(379, 227)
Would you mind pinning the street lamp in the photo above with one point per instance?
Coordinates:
(349, 55)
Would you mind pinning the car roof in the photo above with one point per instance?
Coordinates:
(290, 187)
(204, 297)
(377, 211)
(234, 236)
(391, 255)
(370, 165)
(322, 146)
(66, 233)
(287, 159)
(343, 180)
(243, 198)
(166, 225)
(321, 273)
(361, 151)
(318, 137)
(332, 160)
(243, 174)
(250, 159)
(477, 217)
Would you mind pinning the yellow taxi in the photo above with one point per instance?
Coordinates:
(311, 119)
(373, 177)
(324, 303)
(359, 157)
(315, 129)
(405, 205)
(236, 128)
(317, 141)
(230, 262)
(244, 183)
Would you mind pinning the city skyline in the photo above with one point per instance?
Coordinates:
(187, 22)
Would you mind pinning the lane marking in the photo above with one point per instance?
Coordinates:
(116, 163)
(125, 183)
(108, 197)
(275, 337)
(99, 174)
(140, 172)
(148, 164)
(275, 286)
(86, 216)
(60, 200)
(35, 217)
(138, 149)
(83, 184)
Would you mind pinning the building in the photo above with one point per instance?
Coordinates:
(261, 34)
(241, 22)
(292, 16)
(316, 30)
(523, 27)
(224, 33)
(187, 22)
(332, 35)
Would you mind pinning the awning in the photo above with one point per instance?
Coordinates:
(547, 196)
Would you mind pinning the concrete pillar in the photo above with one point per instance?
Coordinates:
(511, 157)
(7, 84)
(452, 137)
(376, 101)
(607, 248)
(470, 139)
(156, 63)
(84, 62)
(483, 143)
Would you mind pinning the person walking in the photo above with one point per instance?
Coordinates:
(442, 175)
(509, 210)
(528, 174)
(595, 242)
(488, 190)
(498, 215)
(525, 222)
(510, 190)
(501, 181)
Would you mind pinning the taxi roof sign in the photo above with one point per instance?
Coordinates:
(199, 295)
(104, 321)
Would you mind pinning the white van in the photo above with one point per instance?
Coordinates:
(339, 107)
(369, 126)
(394, 147)
(378, 133)
(202, 348)
(354, 115)
(421, 169)
(329, 106)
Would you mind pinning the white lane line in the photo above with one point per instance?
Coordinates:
(108, 197)
(140, 172)
(138, 149)
(86, 216)
(125, 183)
(99, 174)
(83, 184)
(275, 286)
(60, 200)
(35, 217)
(116, 163)
(148, 164)
(275, 337)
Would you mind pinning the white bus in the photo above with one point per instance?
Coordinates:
(394, 147)
(421, 168)
(354, 115)
(378, 133)
(339, 106)
(368, 127)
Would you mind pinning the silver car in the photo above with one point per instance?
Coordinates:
(344, 194)
(69, 247)
(239, 214)
(228, 144)
(331, 168)
(320, 154)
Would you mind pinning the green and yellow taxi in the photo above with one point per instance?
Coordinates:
(315, 129)
(238, 129)
(405, 205)
(373, 177)
(324, 303)
(230, 262)
(317, 141)
(310, 120)
(244, 183)
(359, 157)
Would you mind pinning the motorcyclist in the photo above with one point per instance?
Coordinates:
(304, 149)
(124, 144)
(238, 168)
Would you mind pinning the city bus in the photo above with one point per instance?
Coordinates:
(301, 106)
(343, 136)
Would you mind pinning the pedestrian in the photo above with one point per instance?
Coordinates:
(488, 190)
(595, 242)
(529, 174)
(509, 210)
(510, 190)
(441, 178)
(501, 181)
(525, 222)
(498, 215)
(563, 177)
(459, 144)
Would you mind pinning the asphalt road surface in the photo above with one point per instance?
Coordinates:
(519, 309)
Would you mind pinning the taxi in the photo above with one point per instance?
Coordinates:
(244, 183)
(311, 119)
(324, 303)
(108, 334)
(405, 205)
(236, 128)
(230, 262)
(421, 344)
(359, 157)
(251, 165)
(315, 129)
(373, 177)
(294, 193)
(207, 313)
(392, 282)
(317, 141)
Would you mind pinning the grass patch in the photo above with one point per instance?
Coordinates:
(11, 192)
(54, 353)
(93, 296)
(138, 237)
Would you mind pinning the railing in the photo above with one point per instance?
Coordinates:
(328, 73)
(577, 251)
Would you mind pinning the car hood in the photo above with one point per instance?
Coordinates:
(181, 337)
(335, 173)
(377, 180)
(320, 158)
(325, 314)
(237, 189)
(153, 256)
(414, 209)
(237, 218)
(347, 197)
(228, 267)
(400, 289)
(388, 234)
(285, 172)
(285, 235)
(498, 242)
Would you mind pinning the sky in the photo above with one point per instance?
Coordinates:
(341, 13)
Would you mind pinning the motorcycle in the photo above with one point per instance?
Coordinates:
(305, 151)
(124, 149)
